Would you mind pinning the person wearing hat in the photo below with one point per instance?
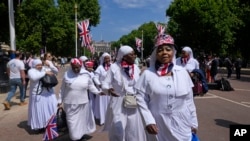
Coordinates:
(101, 102)
(73, 97)
(83, 59)
(165, 96)
(121, 122)
(42, 101)
(187, 60)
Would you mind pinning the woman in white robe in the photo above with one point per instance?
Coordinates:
(74, 97)
(187, 60)
(123, 124)
(42, 101)
(165, 96)
(101, 102)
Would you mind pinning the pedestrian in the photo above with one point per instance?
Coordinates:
(238, 65)
(15, 71)
(187, 60)
(229, 65)
(42, 101)
(122, 123)
(101, 102)
(214, 68)
(83, 59)
(165, 96)
(74, 98)
(48, 64)
(27, 64)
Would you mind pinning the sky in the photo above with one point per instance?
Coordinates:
(120, 17)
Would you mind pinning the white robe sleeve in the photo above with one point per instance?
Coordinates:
(92, 88)
(106, 84)
(35, 75)
(61, 92)
(143, 99)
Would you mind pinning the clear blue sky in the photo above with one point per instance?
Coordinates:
(120, 17)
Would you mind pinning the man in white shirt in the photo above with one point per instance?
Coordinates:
(15, 71)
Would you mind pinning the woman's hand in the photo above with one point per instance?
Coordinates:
(112, 92)
(59, 105)
(194, 130)
(101, 93)
(152, 129)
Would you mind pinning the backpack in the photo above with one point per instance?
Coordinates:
(224, 85)
(27, 67)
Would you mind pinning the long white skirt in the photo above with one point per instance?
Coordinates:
(101, 105)
(40, 109)
(80, 120)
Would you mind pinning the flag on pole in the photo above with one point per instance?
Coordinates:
(85, 37)
(138, 43)
(51, 129)
(160, 29)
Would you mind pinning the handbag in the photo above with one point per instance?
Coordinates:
(49, 81)
(61, 119)
(129, 101)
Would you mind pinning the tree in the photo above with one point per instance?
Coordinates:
(208, 26)
(42, 22)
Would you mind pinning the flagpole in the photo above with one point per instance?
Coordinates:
(76, 27)
(12, 26)
(142, 48)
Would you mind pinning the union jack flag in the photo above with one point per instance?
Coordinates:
(85, 37)
(138, 43)
(51, 129)
(160, 29)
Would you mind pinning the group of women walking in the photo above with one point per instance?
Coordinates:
(164, 111)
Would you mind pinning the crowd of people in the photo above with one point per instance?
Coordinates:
(164, 108)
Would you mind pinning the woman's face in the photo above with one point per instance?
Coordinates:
(39, 66)
(184, 54)
(107, 60)
(130, 58)
(164, 54)
(76, 68)
(49, 57)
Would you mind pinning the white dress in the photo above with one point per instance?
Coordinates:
(123, 124)
(101, 102)
(74, 96)
(167, 101)
(42, 102)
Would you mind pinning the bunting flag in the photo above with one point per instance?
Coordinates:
(138, 43)
(160, 29)
(84, 33)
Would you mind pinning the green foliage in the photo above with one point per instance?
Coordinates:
(208, 26)
(41, 23)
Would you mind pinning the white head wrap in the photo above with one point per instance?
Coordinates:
(189, 51)
(103, 56)
(123, 50)
(83, 58)
(36, 62)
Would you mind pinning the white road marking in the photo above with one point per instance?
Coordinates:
(245, 102)
(248, 106)
(242, 90)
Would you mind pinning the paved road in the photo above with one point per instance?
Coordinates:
(216, 111)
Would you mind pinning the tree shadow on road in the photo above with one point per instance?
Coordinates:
(224, 123)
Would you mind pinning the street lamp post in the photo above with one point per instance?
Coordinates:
(76, 26)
